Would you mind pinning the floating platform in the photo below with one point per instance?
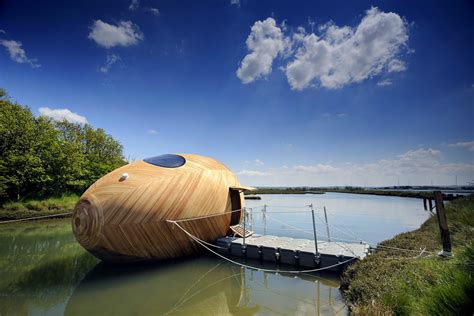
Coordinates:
(294, 251)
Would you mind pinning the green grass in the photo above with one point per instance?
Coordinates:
(392, 282)
(33, 208)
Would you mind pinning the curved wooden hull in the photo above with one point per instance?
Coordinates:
(126, 220)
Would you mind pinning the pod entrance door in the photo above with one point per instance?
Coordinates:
(235, 205)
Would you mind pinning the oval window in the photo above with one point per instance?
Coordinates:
(166, 161)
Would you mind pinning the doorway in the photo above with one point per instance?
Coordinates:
(236, 204)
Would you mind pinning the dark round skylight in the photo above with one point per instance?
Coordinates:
(166, 161)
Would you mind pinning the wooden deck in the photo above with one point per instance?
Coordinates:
(293, 251)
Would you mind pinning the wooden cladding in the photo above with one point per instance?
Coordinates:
(126, 220)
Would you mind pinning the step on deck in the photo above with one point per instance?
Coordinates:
(293, 251)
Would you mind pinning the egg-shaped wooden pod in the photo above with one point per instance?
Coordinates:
(123, 216)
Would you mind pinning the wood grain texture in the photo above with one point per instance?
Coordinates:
(126, 220)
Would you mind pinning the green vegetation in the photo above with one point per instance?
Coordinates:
(41, 158)
(395, 282)
(33, 208)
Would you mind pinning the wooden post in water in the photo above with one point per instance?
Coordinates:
(443, 225)
(430, 203)
(424, 204)
(327, 224)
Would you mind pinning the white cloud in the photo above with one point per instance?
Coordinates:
(110, 61)
(253, 173)
(107, 35)
(344, 55)
(18, 54)
(258, 162)
(235, 2)
(62, 114)
(467, 145)
(265, 43)
(2, 31)
(319, 168)
(152, 131)
(134, 5)
(154, 11)
(335, 57)
(384, 83)
(420, 166)
(396, 65)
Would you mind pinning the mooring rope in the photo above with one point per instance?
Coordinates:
(33, 218)
(252, 267)
(207, 216)
(403, 249)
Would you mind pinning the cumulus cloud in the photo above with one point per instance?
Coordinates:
(258, 162)
(62, 114)
(467, 145)
(265, 43)
(109, 62)
(344, 55)
(108, 35)
(253, 173)
(335, 57)
(18, 54)
(384, 83)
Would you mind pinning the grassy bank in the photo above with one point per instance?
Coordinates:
(394, 282)
(33, 208)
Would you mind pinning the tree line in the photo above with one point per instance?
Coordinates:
(40, 157)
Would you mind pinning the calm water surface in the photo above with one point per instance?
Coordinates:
(44, 271)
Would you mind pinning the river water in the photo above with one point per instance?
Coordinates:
(43, 271)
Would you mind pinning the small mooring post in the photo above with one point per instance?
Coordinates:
(327, 224)
(425, 207)
(443, 225)
(314, 230)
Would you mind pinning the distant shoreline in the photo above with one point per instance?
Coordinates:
(409, 194)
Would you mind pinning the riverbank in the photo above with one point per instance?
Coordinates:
(404, 282)
(36, 208)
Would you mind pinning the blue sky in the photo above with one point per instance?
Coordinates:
(282, 92)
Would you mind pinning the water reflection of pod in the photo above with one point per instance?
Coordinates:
(123, 216)
(213, 288)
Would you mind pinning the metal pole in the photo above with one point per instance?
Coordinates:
(251, 219)
(264, 210)
(245, 216)
(314, 231)
(327, 224)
